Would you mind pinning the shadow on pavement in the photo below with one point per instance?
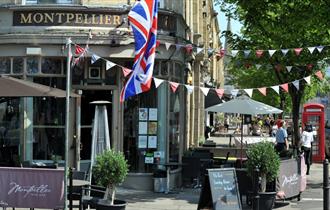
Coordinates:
(186, 195)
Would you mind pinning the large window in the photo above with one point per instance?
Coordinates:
(48, 1)
(48, 123)
(32, 65)
(138, 148)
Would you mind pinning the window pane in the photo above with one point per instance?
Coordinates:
(4, 65)
(9, 131)
(51, 66)
(174, 136)
(18, 65)
(32, 65)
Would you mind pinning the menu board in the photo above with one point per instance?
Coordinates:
(220, 190)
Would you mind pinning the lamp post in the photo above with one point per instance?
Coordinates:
(67, 118)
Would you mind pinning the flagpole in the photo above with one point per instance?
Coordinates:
(67, 119)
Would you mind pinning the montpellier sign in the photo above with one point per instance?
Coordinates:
(31, 188)
(69, 18)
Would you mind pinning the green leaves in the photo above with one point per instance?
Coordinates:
(263, 156)
(110, 168)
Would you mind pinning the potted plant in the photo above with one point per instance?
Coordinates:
(264, 157)
(110, 169)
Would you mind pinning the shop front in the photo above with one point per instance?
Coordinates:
(148, 128)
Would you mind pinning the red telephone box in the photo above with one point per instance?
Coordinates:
(313, 114)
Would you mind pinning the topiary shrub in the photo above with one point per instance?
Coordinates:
(263, 156)
(110, 169)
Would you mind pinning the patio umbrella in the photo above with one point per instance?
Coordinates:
(13, 87)
(244, 105)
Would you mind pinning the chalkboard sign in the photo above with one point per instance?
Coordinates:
(220, 190)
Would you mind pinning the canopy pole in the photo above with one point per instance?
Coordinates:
(67, 119)
(242, 141)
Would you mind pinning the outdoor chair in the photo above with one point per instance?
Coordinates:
(91, 194)
(76, 191)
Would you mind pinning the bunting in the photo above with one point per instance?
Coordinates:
(174, 86)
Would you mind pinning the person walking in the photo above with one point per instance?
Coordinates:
(281, 137)
(306, 139)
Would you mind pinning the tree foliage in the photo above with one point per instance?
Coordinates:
(280, 24)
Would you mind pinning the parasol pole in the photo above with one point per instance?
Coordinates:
(67, 119)
(242, 141)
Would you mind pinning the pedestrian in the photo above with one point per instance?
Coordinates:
(226, 123)
(281, 137)
(306, 139)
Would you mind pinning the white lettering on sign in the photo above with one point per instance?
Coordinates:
(313, 110)
(292, 180)
(2, 203)
(29, 190)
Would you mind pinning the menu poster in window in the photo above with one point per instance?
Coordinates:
(152, 142)
(149, 158)
(143, 114)
(142, 144)
(153, 114)
(143, 127)
(220, 190)
(152, 128)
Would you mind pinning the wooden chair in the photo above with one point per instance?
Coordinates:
(75, 193)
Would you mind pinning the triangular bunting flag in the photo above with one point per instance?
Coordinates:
(210, 52)
(220, 92)
(126, 71)
(263, 91)
(234, 53)
(258, 66)
(167, 45)
(319, 48)
(189, 48)
(276, 88)
(79, 50)
(285, 51)
(158, 82)
(190, 88)
(157, 43)
(249, 92)
(199, 50)
(289, 68)
(319, 75)
(296, 84)
(311, 49)
(309, 66)
(94, 58)
(285, 87)
(234, 92)
(271, 52)
(109, 65)
(297, 51)
(205, 90)
(174, 86)
(308, 79)
(259, 53)
(246, 53)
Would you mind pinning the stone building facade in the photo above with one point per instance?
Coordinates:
(152, 128)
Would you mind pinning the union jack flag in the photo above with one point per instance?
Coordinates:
(143, 20)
